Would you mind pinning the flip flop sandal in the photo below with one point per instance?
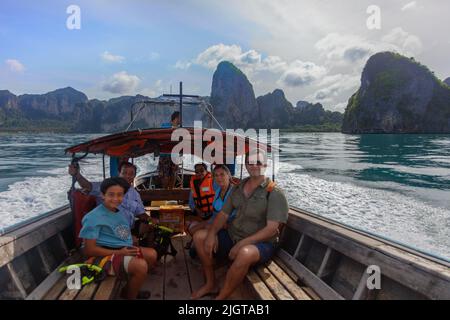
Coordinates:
(144, 295)
(188, 245)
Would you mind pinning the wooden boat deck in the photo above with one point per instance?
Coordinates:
(317, 259)
(175, 278)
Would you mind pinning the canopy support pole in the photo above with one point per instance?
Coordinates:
(104, 172)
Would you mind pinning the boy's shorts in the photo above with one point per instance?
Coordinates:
(114, 265)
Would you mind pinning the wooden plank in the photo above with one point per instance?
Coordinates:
(361, 290)
(155, 282)
(56, 290)
(310, 292)
(16, 280)
(309, 278)
(87, 292)
(69, 294)
(300, 242)
(194, 269)
(259, 286)
(45, 262)
(369, 239)
(285, 268)
(277, 289)
(421, 275)
(293, 288)
(20, 241)
(59, 284)
(176, 286)
(106, 288)
(328, 264)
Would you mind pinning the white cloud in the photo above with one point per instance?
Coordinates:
(410, 6)
(153, 56)
(301, 73)
(15, 65)
(293, 74)
(109, 57)
(121, 83)
(335, 85)
(406, 43)
(182, 65)
(348, 49)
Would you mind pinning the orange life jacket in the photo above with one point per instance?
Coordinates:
(204, 194)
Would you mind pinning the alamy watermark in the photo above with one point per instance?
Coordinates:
(73, 21)
(373, 22)
(373, 281)
(210, 145)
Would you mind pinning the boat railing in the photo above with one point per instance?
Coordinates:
(395, 243)
(24, 223)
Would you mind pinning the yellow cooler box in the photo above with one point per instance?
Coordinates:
(172, 216)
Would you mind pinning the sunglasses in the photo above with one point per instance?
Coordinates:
(258, 163)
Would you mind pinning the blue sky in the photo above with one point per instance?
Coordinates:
(313, 50)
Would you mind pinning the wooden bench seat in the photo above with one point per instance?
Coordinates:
(105, 290)
(273, 281)
(55, 286)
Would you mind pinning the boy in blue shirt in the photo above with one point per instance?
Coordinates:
(107, 237)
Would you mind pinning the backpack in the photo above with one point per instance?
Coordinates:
(160, 239)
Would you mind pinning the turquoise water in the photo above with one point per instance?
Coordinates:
(397, 186)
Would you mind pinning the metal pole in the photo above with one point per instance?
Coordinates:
(181, 104)
(104, 169)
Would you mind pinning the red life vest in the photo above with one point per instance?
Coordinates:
(82, 204)
(203, 194)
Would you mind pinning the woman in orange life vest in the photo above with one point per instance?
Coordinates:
(201, 198)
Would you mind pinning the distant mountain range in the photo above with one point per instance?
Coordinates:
(232, 95)
(397, 95)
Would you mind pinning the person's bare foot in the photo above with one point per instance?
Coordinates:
(203, 291)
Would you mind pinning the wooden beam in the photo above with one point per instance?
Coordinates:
(421, 275)
(274, 285)
(18, 242)
(324, 265)
(107, 288)
(293, 288)
(300, 242)
(16, 280)
(309, 278)
(259, 286)
(87, 292)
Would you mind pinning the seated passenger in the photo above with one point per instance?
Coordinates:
(201, 197)
(131, 206)
(252, 235)
(107, 237)
(223, 188)
(167, 169)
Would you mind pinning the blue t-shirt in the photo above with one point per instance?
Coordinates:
(130, 207)
(110, 229)
(218, 204)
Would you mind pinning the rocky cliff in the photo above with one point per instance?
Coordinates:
(233, 97)
(398, 95)
(447, 81)
(274, 111)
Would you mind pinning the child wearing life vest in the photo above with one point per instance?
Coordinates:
(108, 241)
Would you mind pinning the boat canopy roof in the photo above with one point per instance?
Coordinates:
(133, 144)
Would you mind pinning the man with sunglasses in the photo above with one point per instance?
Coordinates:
(251, 238)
